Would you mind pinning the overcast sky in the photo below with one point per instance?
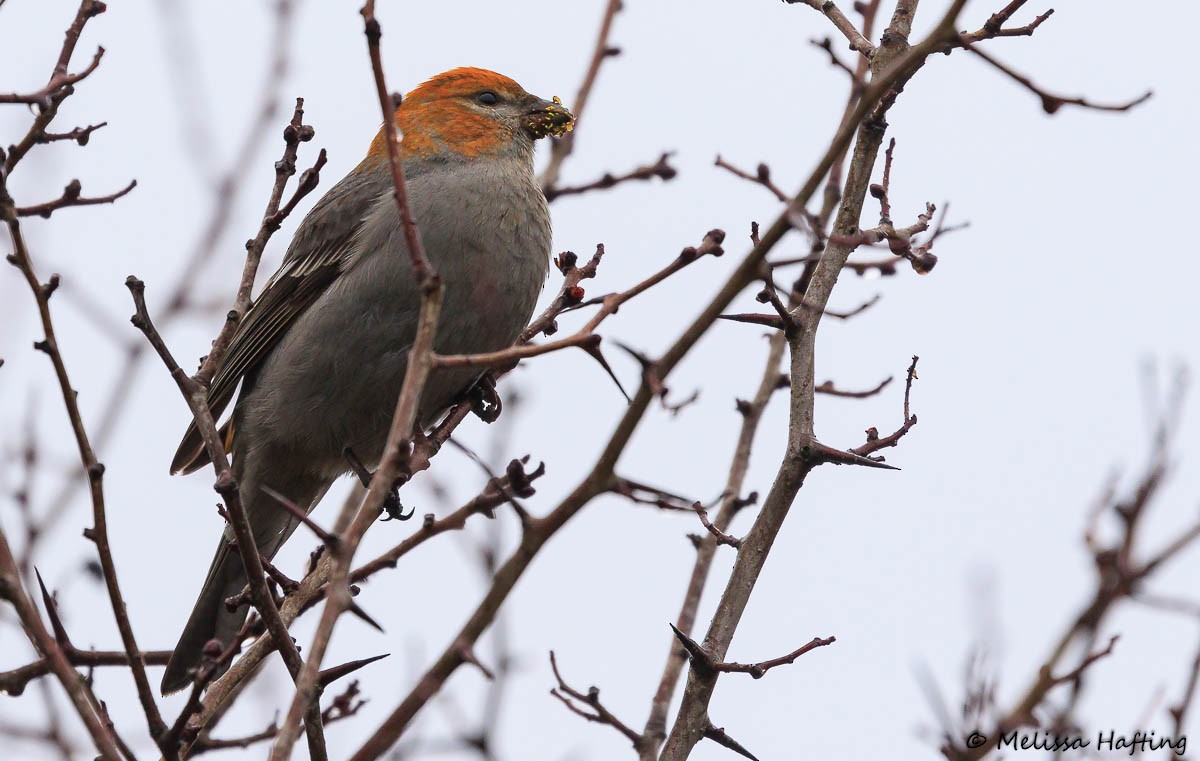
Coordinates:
(1077, 270)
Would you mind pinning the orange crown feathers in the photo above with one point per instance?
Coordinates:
(433, 120)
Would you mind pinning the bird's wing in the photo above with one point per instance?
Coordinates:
(320, 251)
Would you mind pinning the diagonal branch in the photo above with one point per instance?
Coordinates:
(562, 147)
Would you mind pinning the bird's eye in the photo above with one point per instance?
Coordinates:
(488, 98)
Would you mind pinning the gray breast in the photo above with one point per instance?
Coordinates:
(335, 376)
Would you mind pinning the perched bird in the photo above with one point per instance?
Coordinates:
(322, 353)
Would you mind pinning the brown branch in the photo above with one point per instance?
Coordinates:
(757, 670)
(856, 82)
(1179, 711)
(561, 147)
(1051, 103)
(718, 534)
(77, 690)
(71, 197)
(591, 699)
(570, 294)
(295, 133)
(354, 522)
(897, 68)
(58, 88)
(1086, 662)
(342, 706)
(731, 504)
(61, 81)
(761, 176)
(586, 336)
(858, 42)
(1119, 576)
(497, 492)
(14, 681)
(213, 660)
(661, 169)
(388, 103)
(874, 441)
(178, 302)
(722, 738)
(22, 260)
(893, 59)
(328, 539)
(196, 396)
(828, 388)
(994, 26)
(81, 135)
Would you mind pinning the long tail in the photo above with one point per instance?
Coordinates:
(210, 619)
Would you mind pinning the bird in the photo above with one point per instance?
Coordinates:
(321, 354)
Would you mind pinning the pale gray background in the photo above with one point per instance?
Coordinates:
(1078, 267)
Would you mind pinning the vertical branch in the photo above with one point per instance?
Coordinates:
(893, 59)
(560, 149)
(352, 524)
(226, 190)
(20, 258)
(656, 724)
(196, 395)
(599, 479)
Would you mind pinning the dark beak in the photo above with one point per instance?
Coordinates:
(546, 117)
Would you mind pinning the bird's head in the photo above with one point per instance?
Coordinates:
(473, 113)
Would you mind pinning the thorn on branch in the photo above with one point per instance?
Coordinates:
(56, 624)
(328, 539)
(592, 348)
(766, 320)
(330, 675)
(722, 738)
(701, 660)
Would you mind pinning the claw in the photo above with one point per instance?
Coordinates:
(485, 401)
(393, 509)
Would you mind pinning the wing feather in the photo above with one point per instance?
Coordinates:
(320, 251)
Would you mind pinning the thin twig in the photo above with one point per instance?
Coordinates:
(561, 147)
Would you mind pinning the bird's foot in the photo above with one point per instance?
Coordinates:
(392, 507)
(485, 400)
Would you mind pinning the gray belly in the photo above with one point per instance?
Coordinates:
(334, 378)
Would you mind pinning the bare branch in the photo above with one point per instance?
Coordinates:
(661, 169)
(1051, 103)
(858, 42)
(71, 197)
(562, 146)
(599, 714)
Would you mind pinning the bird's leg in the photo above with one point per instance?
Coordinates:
(485, 401)
(391, 503)
(356, 465)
